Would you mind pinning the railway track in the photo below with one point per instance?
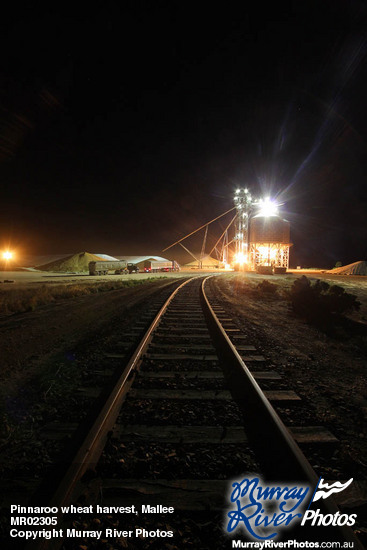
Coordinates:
(184, 417)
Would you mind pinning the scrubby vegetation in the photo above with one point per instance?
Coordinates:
(16, 300)
(320, 303)
(267, 288)
(264, 290)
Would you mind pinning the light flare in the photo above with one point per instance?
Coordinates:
(266, 252)
(268, 207)
(240, 258)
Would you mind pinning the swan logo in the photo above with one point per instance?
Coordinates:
(324, 490)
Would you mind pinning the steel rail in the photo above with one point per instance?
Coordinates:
(284, 460)
(90, 450)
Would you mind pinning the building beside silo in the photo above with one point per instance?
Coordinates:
(269, 242)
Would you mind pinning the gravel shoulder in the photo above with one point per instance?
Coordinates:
(46, 355)
(29, 339)
(328, 372)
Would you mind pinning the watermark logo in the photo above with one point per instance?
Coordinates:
(324, 490)
(263, 510)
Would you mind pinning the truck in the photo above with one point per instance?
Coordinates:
(104, 267)
(155, 266)
(133, 268)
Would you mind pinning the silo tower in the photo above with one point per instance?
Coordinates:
(269, 241)
(243, 202)
(262, 237)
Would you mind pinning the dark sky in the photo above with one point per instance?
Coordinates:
(127, 125)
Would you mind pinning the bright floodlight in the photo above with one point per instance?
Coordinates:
(268, 207)
(7, 255)
(240, 258)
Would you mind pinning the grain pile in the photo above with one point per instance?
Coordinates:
(357, 268)
(76, 263)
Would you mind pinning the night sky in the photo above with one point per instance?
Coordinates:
(126, 125)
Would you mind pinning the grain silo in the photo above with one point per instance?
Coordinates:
(269, 242)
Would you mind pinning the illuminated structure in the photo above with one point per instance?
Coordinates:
(269, 241)
(243, 202)
(262, 239)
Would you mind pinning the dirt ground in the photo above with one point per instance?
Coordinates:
(327, 370)
(31, 279)
(28, 340)
(308, 355)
